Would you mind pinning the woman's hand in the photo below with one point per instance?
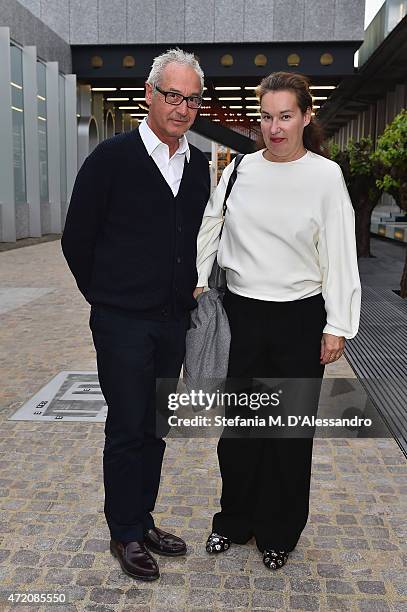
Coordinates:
(331, 348)
(197, 291)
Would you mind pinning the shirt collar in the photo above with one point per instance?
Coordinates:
(151, 141)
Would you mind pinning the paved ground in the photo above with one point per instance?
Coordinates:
(385, 267)
(53, 539)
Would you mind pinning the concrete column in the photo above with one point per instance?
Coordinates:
(54, 144)
(7, 197)
(348, 132)
(390, 106)
(340, 138)
(88, 131)
(109, 126)
(118, 121)
(360, 125)
(380, 117)
(126, 122)
(372, 122)
(400, 97)
(85, 100)
(366, 123)
(71, 133)
(32, 165)
(354, 130)
(97, 112)
(109, 120)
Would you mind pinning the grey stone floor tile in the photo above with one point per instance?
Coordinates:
(352, 554)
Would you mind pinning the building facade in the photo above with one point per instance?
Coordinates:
(55, 53)
(379, 91)
(373, 97)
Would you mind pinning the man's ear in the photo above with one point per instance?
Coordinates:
(307, 116)
(149, 93)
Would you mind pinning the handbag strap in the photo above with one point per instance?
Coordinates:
(217, 278)
(231, 181)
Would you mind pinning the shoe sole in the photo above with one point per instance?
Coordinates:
(135, 576)
(165, 554)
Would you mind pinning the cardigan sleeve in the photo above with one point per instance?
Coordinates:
(338, 262)
(209, 233)
(86, 213)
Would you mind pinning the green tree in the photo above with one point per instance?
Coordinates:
(360, 170)
(391, 152)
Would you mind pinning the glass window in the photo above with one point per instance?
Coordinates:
(17, 106)
(62, 132)
(396, 11)
(42, 130)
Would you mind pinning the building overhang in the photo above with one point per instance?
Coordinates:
(233, 62)
(124, 69)
(385, 68)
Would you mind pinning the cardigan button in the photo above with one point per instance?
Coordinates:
(178, 260)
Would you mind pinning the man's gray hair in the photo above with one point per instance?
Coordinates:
(177, 56)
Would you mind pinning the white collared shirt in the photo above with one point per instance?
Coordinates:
(170, 167)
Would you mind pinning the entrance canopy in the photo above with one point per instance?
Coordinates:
(232, 72)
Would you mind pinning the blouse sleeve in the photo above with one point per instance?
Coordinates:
(338, 262)
(209, 233)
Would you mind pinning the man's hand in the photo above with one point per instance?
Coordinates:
(197, 291)
(331, 348)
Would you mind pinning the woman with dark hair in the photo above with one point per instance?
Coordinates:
(293, 296)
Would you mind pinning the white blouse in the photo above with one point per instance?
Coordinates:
(289, 234)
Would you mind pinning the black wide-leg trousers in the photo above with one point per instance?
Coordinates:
(131, 355)
(266, 481)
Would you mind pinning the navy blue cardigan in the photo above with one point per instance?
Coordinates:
(128, 241)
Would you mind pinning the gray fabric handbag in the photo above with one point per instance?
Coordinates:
(208, 338)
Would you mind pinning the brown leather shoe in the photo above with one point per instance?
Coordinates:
(163, 543)
(135, 560)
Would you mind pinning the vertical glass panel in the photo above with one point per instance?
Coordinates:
(396, 11)
(17, 106)
(62, 132)
(42, 130)
(78, 101)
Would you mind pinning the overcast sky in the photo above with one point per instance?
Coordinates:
(372, 6)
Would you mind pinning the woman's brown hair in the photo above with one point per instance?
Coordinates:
(299, 85)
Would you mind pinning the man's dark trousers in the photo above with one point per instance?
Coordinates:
(131, 354)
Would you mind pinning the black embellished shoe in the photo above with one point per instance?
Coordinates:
(274, 559)
(217, 543)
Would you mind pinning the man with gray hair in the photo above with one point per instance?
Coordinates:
(130, 241)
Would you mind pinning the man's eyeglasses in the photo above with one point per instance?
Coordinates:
(171, 97)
